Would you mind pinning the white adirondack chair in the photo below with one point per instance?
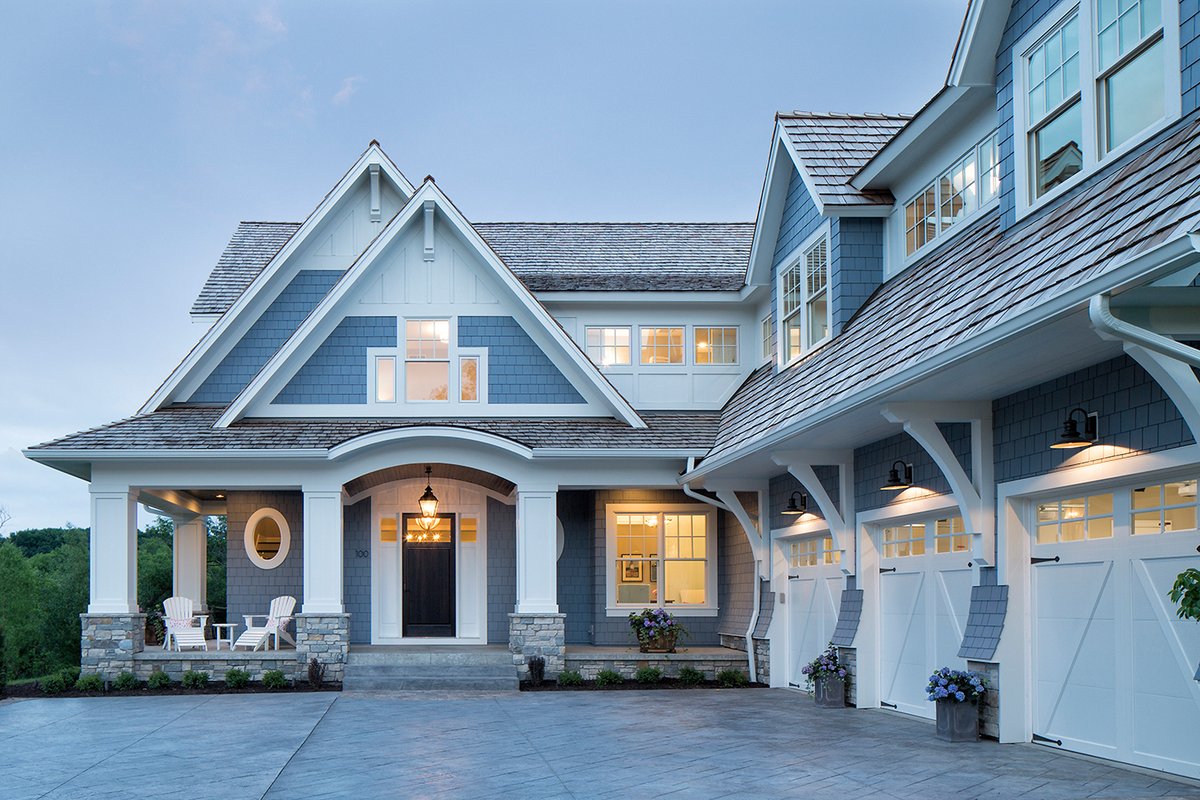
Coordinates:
(181, 625)
(273, 628)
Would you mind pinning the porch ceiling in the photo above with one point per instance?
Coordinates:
(443, 471)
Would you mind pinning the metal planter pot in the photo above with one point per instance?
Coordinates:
(957, 722)
(829, 693)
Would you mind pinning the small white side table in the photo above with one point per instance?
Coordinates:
(228, 637)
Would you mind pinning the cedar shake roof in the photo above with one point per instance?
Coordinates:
(834, 147)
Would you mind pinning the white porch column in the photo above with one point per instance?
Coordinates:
(322, 551)
(113, 552)
(190, 561)
(537, 565)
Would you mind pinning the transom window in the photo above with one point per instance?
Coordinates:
(911, 539)
(949, 536)
(966, 186)
(661, 557)
(716, 345)
(1164, 507)
(1075, 519)
(662, 345)
(609, 347)
(901, 541)
(427, 360)
(804, 299)
(813, 552)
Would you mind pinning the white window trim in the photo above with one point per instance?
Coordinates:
(374, 353)
(633, 344)
(285, 538)
(766, 329)
(638, 346)
(1092, 140)
(454, 402)
(481, 375)
(615, 609)
(737, 349)
(793, 259)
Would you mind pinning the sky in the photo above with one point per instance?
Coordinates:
(135, 135)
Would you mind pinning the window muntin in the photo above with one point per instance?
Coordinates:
(812, 552)
(1075, 519)
(804, 299)
(1164, 507)
(468, 379)
(1053, 70)
(1122, 25)
(949, 536)
(385, 379)
(427, 339)
(716, 345)
(662, 558)
(902, 541)
(609, 347)
(766, 337)
(661, 345)
(969, 184)
(427, 360)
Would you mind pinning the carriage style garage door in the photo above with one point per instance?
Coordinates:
(814, 592)
(924, 595)
(1113, 666)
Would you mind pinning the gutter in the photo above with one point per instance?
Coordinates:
(692, 493)
(1102, 319)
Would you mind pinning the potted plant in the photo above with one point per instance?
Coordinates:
(957, 694)
(828, 677)
(656, 630)
(1186, 594)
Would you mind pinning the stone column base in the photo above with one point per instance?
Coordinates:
(107, 643)
(989, 710)
(848, 658)
(542, 635)
(325, 637)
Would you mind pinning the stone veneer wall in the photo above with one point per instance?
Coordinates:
(762, 655)
(627, 664)
(217, 663)
(542, 635)
(848, 657)
(325, 637)
(108, 642)
(989, 714)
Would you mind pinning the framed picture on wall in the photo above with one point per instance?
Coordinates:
(631, 571)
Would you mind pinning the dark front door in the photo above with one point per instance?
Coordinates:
(428, 558)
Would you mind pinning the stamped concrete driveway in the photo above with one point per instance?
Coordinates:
(701, 744)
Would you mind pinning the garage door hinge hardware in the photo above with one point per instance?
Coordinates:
(1037, 737)
(1043, 560)
(886, 569)
(886, 704)
(794, 685)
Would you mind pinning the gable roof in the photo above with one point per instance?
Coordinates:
(428, 194)
(831, 148)
(977, 288)
(546, 256)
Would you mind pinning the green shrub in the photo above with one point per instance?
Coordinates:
(125, 682)
(195, 679)
(273, 679)
(648, 675)
(609, 677)
(89, 683)
(54, 684)
(69, 675)
(732, 678)
(570, 677)
(158, 680)
(690, 676)
(237, 678)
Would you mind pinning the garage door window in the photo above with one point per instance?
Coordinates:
(901, 541)
(949, 536)
(1164, 507)
(1075, 519)
(813, 552)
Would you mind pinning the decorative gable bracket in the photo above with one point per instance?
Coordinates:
(839, 515)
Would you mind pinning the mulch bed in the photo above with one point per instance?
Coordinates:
(632, 685)
(33, 690)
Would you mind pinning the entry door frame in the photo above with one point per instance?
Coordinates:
(452, 585)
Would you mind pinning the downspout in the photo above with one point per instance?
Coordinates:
(687, 490)
(1104, 321)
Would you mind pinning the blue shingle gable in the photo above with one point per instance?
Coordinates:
(265, 336)
(337, 372)
(855, 265)
(799, 219)
(518, 370)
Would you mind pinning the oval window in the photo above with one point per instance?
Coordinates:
(267, 538)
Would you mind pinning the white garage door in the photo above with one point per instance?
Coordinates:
(1113, 664)
(924, 596)
(815, 585)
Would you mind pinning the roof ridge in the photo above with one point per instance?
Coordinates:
(802, 114)
(267, 222)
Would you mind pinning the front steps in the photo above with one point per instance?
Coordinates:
(465, 668)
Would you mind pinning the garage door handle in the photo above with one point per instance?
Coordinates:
(886, 569)
(1043, 560)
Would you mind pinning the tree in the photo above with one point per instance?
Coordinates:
(216, 567)
(5, 518)
(156, 574)
(62, 596)
(20, 614)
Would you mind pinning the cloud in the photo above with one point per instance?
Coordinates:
(269, 20)
(349, 87)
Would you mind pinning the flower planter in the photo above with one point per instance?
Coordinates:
(829, 692)
(957, 722)
(657, 644)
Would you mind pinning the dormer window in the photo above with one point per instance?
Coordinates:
(804, 297)
(965, 187)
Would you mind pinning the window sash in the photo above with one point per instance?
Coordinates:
(968, 185)
(651, 569)
(804, 306)
(661, 346)
(716, 346)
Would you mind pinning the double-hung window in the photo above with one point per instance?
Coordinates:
(609, 347)
(965, 187)
(661, 556)
(427, 359)
(804, 299)
(1093, 79)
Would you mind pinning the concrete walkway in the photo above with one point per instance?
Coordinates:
(699, 744)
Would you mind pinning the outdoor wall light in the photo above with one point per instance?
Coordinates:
(1070, 437)
(794, 510)
(894, 482)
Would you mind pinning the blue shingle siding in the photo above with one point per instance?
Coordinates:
(576, 578)
(518, 370)
(337, 372)
(799, 219)
(501, 568)
(766, 609)
(265, 336)
(849, 614)
(985, 619)
(248, 588)
(872, 462)
(356, 569)
(855, 266)
(1135, 417)
(1189, 43)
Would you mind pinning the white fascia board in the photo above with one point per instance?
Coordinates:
(663, 298)
(401, 412)
(974, 60)
(46, 457)
(372, 155)
(615, 452)
(913, 131)
(770, 208)
(1172, 255)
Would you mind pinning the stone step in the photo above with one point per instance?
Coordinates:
(402, 656)
(434, 671)
(451, 682)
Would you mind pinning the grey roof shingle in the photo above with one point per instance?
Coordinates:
(980, 279)
(834, 147)
(546, 256)
(191, 428)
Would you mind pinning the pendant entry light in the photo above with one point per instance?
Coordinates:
(1071, 438)
(429, 506)
(894, 482)
(794, 510)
